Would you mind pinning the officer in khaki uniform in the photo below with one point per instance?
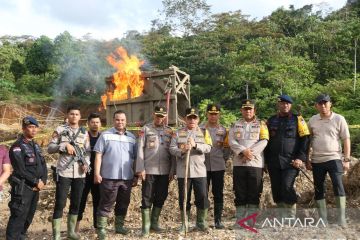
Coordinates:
(192, 138)
(215, 160)
(155, 166)
(248, 138)
(70, 172)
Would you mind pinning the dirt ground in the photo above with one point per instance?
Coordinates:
(41, 226)
(170, 217)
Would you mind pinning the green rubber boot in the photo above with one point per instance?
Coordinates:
(183, 224)
(280, 210)
(145, 216)
(251, 209)
(289, 211)
(155, 214)
(56, 225)
(321, 204)
(292, 210)
(201, 219)
(341, 207)
(71, 224)
(119, 225)
(218, 208)
(101, 227)
(240, 214)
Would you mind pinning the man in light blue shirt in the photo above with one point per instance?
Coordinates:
(114, 170)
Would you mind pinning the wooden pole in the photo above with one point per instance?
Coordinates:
(187, 160)
(186, 222)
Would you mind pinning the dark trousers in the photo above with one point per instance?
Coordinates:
(216, 178)
(22, 211)
(200, 192)
(247, 185)
(90, 186)
(335, 170)
(282, 184)
(154, 190)
(62, 189)
(112, 191)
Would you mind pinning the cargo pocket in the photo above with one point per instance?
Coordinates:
(30, 159)
(16, 206)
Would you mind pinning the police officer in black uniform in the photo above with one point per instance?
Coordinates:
(285, 153)
(28, 178)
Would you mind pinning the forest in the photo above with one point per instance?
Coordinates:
(229, 56)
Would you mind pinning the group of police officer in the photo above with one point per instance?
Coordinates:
(109, 165)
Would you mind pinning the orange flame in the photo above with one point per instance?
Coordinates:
(127, 79)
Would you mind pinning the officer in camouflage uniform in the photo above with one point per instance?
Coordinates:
(215, 160)
(248, 138)
(70, 172)
(155, 167)
(27, 179)
(191, 138)
(285, 153)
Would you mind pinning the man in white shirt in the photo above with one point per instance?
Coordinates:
(328, 130)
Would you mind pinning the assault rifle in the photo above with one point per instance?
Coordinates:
(80, 153)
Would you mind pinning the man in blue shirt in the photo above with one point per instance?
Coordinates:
(114, 170)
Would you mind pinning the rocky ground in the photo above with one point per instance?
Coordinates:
(41, 226)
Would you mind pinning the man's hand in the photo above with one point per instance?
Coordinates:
(84, 168)
(297, 163)
(70, 149)
(142, 175)
(187, 147)
(248, 154)
(346, 166)
(97, 179)
(135, 181)
(308, 166)
(40, 185)
(191, 141)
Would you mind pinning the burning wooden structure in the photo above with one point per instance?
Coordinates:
(170, 87)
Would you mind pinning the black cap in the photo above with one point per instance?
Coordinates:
(160, 110)
(191, 112)
(285, 98)
(213, 108)
(247, 103)
(29, 120)
(323, 98)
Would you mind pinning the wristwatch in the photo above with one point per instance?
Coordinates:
(346, 159)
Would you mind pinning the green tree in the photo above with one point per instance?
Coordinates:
(17, 69)
(40, 56)
(185, 16)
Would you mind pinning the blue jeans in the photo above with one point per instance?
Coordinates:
(335, 170)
